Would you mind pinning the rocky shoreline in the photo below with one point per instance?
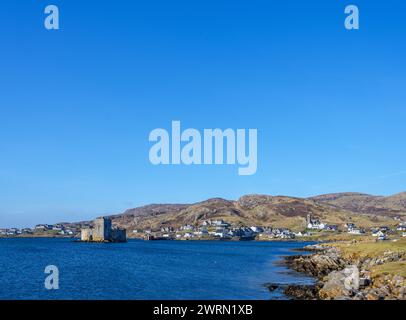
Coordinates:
(343, 278)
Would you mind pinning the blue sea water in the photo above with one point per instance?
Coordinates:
(145, 269)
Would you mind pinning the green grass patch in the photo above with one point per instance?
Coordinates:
(392, 268)
(371, 248)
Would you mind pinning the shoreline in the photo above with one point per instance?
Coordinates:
(39, 236)
(342, 273)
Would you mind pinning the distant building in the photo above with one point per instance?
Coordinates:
(42, 227)
(353, 229)
(216, 223)
(401, 227)
(314, 223)
(257, 229)
(187, 227)
(350, 226)
(102, 231)
(221, 223)
(331, 228)
(356, 231)
(378, 233)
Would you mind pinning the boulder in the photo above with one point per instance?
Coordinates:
(317, 265)
(338, 284)
(302, 292)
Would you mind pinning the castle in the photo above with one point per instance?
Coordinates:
(102, 231)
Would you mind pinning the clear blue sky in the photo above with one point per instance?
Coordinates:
(77, 105)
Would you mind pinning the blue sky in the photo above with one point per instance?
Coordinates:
(77, 104)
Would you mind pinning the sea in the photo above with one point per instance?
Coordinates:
(144, 270)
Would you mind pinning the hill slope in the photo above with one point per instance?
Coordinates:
(367, 204)
(278, 211)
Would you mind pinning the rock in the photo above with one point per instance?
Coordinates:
(272, 287)
(402, 293)
(364, 282)
(302, 292)
(314, 247)
(359, 296)
(372, 296)
(317, 265)
(342, 298)
(351, 280)
(341, 283)
(384, 291)
(398, 281)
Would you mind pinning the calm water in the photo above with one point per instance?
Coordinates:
(145, 269)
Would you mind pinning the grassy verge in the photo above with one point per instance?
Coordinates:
(367, 248)
(392, 268)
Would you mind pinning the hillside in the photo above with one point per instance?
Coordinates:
(265, 210)
(394, 205)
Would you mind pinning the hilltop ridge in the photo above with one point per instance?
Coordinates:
(266, 210)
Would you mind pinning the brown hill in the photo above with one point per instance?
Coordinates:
(394, 205)
(265, 210)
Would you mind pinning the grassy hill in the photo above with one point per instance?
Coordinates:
(394, 205)
(265, 210)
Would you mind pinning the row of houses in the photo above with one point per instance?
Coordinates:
(218, 229)
(381, 233)
(59, 229)
(222, 231)
(316, 224)
(15, 231)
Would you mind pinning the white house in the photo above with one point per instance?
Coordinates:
(315, 224)
(378, 233)
(401, 227)
(220, 223)
(356, 231)
(256, 229)
(350, 226)
(187, 227)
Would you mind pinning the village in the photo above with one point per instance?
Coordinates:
(41, 229)
(222, 230)
(219, 229)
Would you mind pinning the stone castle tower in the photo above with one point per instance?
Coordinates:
(102, 231)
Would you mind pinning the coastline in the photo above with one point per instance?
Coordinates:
(235, 239)
(352, 270)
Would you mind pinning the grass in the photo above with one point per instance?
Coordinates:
(392, 268)
(369, 248)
